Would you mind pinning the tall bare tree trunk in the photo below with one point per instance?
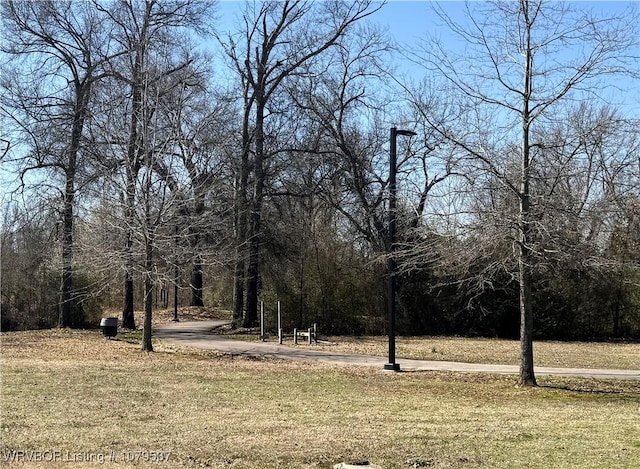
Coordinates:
(128, 319)
(148, 297)
(525, 257)
(196, 284)
(241, 214)
(133, 166)
(82, 93)
(254, 237)
(197, 298)
(238, 283)
(149, 242)
(66, 305)
(527, 376)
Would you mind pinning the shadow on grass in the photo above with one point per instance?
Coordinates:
(130, 337)
(629, 388)
(571, 386)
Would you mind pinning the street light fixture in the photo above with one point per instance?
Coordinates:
(391, 263)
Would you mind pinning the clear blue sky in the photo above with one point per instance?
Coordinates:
(409, 22)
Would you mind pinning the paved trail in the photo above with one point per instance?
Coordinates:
(198, 334)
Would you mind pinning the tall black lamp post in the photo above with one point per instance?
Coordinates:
(391, 263)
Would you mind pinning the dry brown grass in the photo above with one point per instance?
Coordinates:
(607, 355)
(623, 356)
(76, 392)
(547, 353)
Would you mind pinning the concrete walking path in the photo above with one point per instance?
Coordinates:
(199, 334)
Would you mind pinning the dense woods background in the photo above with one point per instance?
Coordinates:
(148, 149)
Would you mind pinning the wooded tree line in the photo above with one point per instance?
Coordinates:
(153, 149)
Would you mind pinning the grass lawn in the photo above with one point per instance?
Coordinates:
(624, 356)
(74, 395)
(621, 355)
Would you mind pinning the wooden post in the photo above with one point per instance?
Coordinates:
(279, 322)
(295, 336)
(262, 321)
(310, 336)
(279, 326)
(315, 332)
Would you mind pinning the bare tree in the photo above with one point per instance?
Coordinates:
(523, 61)
(204, 130)
(277, 40)
(144, 29)
(59, 51)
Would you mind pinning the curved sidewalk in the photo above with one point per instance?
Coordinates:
(198, 334)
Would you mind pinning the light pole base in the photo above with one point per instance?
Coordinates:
(392, 367)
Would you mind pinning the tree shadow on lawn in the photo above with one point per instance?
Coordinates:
(577, 386)
(626, 387)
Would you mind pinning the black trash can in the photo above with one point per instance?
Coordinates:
(109, 327)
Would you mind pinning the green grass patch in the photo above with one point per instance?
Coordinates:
(131, 337)
(76, 392)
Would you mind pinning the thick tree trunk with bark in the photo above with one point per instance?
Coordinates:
(525, 255)
(254, 238)
(241, 214)
(128, 319)
(251, 313)
(82, 93)
(149, 243)
(148, 299)
(238, 285)
(132, 162)
(196, 285)
(197, 298)
(66, 305)
(527, 376)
